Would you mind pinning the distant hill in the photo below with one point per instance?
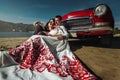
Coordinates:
(16, 27)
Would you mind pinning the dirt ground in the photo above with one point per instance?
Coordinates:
(101, 60)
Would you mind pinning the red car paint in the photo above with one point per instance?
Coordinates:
(87, 23)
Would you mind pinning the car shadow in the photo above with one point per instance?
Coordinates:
(74, 45)
(77, 44)
(115, 43)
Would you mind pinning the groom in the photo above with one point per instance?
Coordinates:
(58, 24)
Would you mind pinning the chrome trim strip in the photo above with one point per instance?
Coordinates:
(78, 17)
(93, 29)
(101, 24)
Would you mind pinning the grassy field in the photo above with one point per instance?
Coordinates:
(9, 43)
(103, 61)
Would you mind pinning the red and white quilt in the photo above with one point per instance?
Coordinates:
(44, 58)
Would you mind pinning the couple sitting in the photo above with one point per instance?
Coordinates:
(45, 58)
(52, 28)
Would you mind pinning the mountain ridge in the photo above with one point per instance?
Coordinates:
(15, 27)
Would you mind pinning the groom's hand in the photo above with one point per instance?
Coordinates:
(60, 37)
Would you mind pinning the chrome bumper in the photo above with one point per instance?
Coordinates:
(92, 29)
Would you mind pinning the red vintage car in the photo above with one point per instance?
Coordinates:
(96, 22)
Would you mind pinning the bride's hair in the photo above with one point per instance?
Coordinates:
(50, 21)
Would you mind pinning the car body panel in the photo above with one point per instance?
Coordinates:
(86, 23)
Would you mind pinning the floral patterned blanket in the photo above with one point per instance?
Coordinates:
(43, 58)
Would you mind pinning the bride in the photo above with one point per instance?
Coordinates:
(46, 58)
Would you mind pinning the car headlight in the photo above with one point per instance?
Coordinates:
(100, 10)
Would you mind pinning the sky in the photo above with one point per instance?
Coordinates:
(28, 11)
